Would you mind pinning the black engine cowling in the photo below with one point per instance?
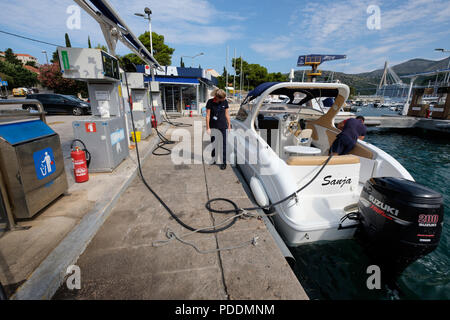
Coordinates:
(401, 221)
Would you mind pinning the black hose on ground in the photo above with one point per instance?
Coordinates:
(175, 124)
(173, 215)
(164, 141)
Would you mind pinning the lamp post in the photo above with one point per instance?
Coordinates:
(193, 57)
(447, 76)
(147, 16)
(46, 57)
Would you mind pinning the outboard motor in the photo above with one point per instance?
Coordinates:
(401, 221)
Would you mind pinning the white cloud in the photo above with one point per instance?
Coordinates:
(47, 22)
(341, 27)
(182, 22)
(346, 20)
(198, 35)
(416, 13)
(275, 49)
(191, 22)
(331, 20)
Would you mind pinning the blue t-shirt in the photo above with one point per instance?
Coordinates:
(353, 129)
(217, 117)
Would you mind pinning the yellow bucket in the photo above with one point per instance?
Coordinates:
(138, 136)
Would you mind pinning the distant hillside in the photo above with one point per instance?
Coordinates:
(367, 82)
(362, 84)
(410, 66)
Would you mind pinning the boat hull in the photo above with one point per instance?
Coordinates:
(294, 234)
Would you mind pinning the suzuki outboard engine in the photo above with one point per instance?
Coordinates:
(401, 221)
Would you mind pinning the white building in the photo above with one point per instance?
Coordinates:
(23, 57)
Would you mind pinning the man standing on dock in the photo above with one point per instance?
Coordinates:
(351, 130)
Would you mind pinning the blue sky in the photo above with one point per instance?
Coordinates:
(270, 33)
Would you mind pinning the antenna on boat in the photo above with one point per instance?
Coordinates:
(291, 75)
(314, 60)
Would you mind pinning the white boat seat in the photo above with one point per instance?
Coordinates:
(320, 160)
(302, 150)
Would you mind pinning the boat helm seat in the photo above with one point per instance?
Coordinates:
(320, 160)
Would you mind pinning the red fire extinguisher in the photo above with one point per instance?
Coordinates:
(80, 160)
(154, 122)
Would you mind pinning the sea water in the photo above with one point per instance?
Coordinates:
(338, 270)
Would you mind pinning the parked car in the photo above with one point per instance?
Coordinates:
(19, 92)
(59, 103)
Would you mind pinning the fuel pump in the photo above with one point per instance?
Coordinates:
(104, 134)
(142, 112)
(155, 96)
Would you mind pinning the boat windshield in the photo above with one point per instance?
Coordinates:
(289, 99)
(290, 108)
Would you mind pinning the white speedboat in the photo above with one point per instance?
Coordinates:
(280, 148)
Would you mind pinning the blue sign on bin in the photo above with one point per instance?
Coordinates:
(44, 163)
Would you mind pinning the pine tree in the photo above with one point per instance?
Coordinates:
(55, 57)
(89, 42)
(11, 57)
(68, 45)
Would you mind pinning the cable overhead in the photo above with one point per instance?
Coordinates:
(19, 36)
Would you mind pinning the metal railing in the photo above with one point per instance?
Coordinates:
(23, 113)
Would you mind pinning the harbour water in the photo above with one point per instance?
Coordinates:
(337, 270)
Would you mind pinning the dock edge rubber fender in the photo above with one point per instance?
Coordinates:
(259, 192)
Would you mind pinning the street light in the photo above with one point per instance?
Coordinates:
(148, 12)
(447, 76)
(193, 57)
(46, 57)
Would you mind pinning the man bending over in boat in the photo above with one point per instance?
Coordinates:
(351, 130)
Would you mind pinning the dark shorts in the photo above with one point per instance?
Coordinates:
(342, 145)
